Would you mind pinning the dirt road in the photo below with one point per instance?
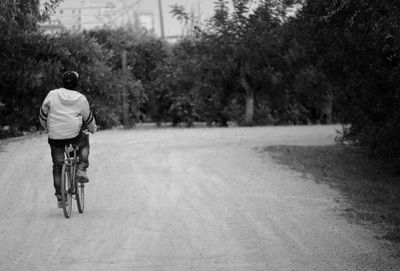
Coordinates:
(180, 199)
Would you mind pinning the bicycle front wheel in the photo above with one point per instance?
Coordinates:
(66, 190)
(80, 196)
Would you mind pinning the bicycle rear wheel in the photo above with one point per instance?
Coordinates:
(66, 190)
(80, 196)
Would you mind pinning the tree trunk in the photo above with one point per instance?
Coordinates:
(326, 106)
(329, 106)
(249, 113)
(125, 102)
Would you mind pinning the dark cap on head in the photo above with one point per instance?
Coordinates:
(70, 79)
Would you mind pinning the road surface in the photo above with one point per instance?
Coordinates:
(180, 199)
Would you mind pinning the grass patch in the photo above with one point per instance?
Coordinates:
(371, 188)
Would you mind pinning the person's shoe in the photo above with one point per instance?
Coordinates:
(59, 202)
(82, 179)
(81, 176)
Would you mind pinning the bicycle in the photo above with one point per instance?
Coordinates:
(70, 187)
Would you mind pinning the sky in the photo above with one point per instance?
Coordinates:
(201, 8)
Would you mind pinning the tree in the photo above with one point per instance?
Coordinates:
(244, 52)
(21, 58)
(358, 51)
(144, 54)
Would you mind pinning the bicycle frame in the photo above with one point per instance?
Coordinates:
(71, 160)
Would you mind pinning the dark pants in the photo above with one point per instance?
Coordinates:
(57, 155)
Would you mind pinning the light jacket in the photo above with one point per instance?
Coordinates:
(63, 112)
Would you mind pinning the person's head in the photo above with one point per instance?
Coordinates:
(70, 79)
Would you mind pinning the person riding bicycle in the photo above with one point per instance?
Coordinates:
(64, 114)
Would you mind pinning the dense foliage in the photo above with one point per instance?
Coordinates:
(355, 44)
(240, 65)
(249, 64)
(32, 64)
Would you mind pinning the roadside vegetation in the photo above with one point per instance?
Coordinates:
(371, 188)
(249, 64)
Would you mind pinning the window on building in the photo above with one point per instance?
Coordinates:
(146, 21)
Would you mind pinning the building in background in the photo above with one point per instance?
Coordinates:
(77, 15)
(152, 15)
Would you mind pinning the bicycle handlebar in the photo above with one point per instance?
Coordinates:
(86, 132)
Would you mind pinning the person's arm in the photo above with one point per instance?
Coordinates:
(88, 117)
(44, 112)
